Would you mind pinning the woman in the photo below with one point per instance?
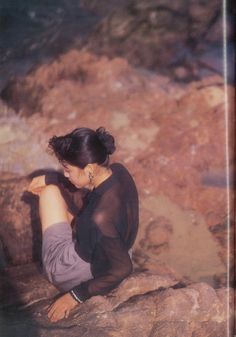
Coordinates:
(89, 219)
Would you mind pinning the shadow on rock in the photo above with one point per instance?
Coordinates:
(13, 320)
(32, 201)
(20, 228)
(21, 289)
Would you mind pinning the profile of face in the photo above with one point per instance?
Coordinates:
(77, 176)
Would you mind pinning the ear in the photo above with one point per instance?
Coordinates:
(89, 168)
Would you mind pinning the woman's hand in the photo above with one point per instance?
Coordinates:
(37, 185)
(61, 308)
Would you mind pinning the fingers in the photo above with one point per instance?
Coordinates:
(51, 311)
(37, 185)
(33, 185)
(55, 313)
(61, 308)
(36, 191)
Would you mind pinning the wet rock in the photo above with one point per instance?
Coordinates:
(35, 33)
(203, 17)
(102, 8)
(181, 73)
(5, 110)
(157, 35)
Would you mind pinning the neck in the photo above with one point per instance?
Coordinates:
(102, 174)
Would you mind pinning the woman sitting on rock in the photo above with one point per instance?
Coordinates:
(89, 219)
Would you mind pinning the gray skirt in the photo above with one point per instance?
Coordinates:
(62, 266)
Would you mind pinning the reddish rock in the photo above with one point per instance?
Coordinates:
(171, 138)
(20, 230)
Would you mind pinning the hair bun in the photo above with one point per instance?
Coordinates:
(106, 139)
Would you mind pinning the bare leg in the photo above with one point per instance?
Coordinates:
(52, 207)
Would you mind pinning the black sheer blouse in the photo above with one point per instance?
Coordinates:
(106, 223)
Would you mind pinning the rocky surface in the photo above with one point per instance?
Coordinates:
(181, 39)
(144, 304)
(21, 149)
(172, 138)
(24, 285)
(176, 154)
(20, 230)
(32, 33)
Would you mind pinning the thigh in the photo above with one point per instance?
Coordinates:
(52, 207)
(61, 264)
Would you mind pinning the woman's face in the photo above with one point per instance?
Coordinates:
(76, 176)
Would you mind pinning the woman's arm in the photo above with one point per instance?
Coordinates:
(120, 268)
(74, 197)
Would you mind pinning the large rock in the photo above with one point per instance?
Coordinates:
(144, 305)
(21, 149)
(24, 285)
(75, 72)
(169, 37)
(33, 33)
(166, 135)
(20, 230)
(159, 35)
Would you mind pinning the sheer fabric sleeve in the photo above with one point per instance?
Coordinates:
(74, 197)
(112, 247)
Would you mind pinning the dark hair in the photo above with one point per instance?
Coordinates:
(83, 146)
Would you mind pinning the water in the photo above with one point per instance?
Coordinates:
(31, 33)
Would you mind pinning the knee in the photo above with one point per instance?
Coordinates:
(50, 191)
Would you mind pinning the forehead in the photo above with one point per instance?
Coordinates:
(67, 166)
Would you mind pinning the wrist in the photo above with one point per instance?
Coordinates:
(75, 297)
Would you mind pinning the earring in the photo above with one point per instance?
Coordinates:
(90, 177)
